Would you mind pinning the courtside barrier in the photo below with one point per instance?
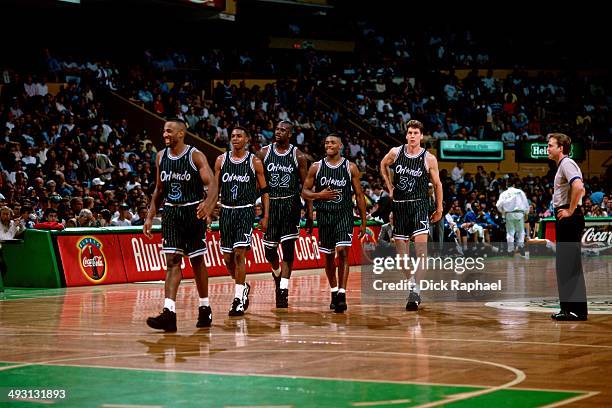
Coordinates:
(95, 256)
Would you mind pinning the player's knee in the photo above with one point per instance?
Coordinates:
(288, 250)
(228, 258)
(271, 254)
(343, 253)
(173, 260)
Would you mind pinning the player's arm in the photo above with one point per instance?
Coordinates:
(263, 186)
(303, 170)
(355, 179)
(156, 200)
(308, 189)
(206, 207)
(384, 169)
(434, 174)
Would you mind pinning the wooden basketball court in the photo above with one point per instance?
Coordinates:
(92, 343)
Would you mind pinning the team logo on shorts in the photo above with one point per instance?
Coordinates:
(92, 259)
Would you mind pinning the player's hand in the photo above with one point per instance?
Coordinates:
(309, 224)
(563, 214)
(328, 194)
(263, 224)
(202, 212)
(146, 228)
(362, 230)
(436, 216)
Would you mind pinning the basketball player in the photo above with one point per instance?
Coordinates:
(182, 174)
(567, 200)
(239, 174)
(285, 167)
(413, 169)
(331, 182)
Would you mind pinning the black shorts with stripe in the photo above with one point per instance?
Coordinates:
(335, 230)
(182, 232)
(283, 221)
(410, 218)
(236, 228)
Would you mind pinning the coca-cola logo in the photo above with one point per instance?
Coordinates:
(93, 261)
(597, 238)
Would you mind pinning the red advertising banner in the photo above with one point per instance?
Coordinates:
(91, 259)
(120, 258)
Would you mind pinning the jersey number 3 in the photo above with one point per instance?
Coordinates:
(175, 191)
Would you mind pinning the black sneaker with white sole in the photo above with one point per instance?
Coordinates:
(204, 316)
(237, 308)
(166, 321)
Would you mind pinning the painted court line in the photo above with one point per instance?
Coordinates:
(375, 403)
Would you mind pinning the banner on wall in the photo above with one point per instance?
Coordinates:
(596, 236)
(131, 257)
(91, 259)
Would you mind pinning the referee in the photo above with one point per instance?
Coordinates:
(567, 198)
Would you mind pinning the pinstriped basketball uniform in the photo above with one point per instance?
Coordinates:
(334, 218)
(238, 195)
(411, 205)
(282, 175)
(182, 232)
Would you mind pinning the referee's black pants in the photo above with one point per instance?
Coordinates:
(570, 277)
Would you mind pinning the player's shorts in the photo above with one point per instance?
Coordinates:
(236, 227)
(283, 221)
(335, 230)
(182, 232)
(410, 218)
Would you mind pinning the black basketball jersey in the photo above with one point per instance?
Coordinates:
(336, 177)
(180, 177)
(282, 172)
(238, 182)
(410, 176)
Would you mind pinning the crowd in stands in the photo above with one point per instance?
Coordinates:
(66, 162)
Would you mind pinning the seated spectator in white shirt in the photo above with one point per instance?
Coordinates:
(9, 228)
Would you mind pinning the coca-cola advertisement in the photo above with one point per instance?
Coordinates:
(91, 259)
(131, 257)
(596, 237)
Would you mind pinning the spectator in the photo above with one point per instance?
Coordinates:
(9, 228)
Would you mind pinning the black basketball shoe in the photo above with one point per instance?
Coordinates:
(414, 300)
(334, 299)
(166, 321)
(204, 316)
(282, 298)
(340, 303)
(237, 308)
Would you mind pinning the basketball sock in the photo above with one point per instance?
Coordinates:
(239, 292)
(170, 304)
(334, 289)
(276, 272)
(284, 283)
(204, 302)
(341, 290)
(415, 285)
